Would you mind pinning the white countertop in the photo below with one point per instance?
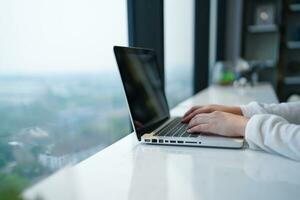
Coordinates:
(129, 170)
(229, 96)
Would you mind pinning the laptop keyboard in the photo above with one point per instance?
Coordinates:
(175, 129)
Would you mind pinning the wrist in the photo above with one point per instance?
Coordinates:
(236, 110)
(243, 125)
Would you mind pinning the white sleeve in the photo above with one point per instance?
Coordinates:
(289, 111)
(273, 134)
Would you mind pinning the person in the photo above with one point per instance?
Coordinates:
(274, 128)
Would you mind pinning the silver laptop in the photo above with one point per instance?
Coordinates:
(149, 111)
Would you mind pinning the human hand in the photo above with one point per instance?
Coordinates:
(208, 109)
(221, 123)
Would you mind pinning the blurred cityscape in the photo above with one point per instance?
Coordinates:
(50, 121)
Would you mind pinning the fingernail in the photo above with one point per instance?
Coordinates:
(189, 130)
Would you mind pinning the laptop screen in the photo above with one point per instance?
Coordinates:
(143, 88)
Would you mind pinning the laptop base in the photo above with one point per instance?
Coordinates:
(200, 141)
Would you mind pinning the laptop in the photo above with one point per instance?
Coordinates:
(148, 107)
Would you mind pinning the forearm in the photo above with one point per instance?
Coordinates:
(273, 134)
(289, 111)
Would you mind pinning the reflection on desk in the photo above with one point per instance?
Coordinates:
(189, 173)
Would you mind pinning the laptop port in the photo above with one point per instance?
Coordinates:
(147, 140)
(160, 141)
(180, 142)
(154, 140)
(172, 141)
(190, 142)
(166, 141)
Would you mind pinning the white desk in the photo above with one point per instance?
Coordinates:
(129, 170)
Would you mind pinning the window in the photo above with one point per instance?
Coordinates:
(179, 46)
(61, 97)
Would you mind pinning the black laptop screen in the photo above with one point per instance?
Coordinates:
(143, 87)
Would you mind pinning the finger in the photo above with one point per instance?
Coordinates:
(191, 115)
(196, 112)
(198, 119)
(199, 128)
(191, 110)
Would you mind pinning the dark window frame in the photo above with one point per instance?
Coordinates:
(146, 29)
(201, 48)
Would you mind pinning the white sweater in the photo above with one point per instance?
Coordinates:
(274, 128)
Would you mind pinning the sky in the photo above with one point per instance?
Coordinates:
(60, 35)
(40, 36)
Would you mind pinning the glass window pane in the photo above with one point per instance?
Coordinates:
(60, 92)
(179, 49)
